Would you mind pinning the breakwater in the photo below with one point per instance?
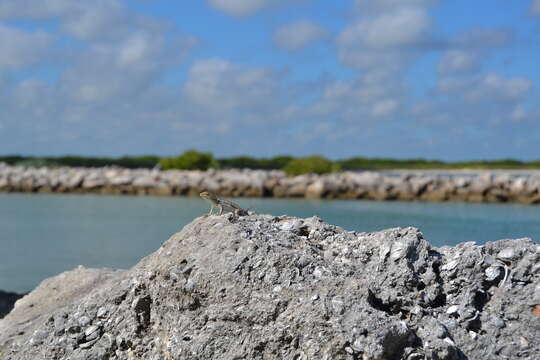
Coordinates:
(480, 187)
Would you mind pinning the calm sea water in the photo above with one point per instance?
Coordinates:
(43, 235)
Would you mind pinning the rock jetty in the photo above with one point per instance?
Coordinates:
(483, 187)
(265, 287)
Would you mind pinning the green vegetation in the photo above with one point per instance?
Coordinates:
(241, 162)
(360, 163)
(312, 164)
(130, 162)
(189, 160)
(194, 160)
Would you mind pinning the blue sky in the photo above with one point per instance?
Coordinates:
(443, 79)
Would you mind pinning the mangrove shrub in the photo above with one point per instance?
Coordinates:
(310, 165)
(188, 160)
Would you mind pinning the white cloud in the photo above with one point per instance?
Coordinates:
(28, 93)
(458, 61)
(386, 40)
(221, 85)
(483, 117)
(96, 20)
(109, 83)
(362, 101)
(519, 113)
(390, 34)
(374, 6)
(482, 38)
(299, 34)
(491, 87)
(400, 28)
(466, 51)
(109, 96)
(21, 48)
(384, 107)
(134, 50)
(85, 20)
(10, 9)
(239, 7)
(535, 8)
(103, 72)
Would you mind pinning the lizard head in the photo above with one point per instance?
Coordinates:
(205, 194)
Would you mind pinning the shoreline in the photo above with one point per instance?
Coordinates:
(480, 186)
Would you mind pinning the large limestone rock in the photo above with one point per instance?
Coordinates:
(264, 287)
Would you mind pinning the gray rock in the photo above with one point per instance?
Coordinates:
(476, 187)
(492, 272)
(38, 337)
(507, 254)
(84, 320)
(102, 312)
(263, 287)
(91, 332)
(453, 309)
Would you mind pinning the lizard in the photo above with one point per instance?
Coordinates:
(222, 204)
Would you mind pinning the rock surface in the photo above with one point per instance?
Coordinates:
(478, 187)
(264, 287)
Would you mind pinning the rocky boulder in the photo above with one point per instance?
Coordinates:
(265, 287)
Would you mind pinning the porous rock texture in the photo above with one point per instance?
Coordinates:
(265, 287)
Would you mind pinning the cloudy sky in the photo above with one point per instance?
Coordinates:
(447, 79)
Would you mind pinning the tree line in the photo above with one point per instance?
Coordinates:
(195, 160)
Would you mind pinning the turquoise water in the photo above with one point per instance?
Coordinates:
(43, 235)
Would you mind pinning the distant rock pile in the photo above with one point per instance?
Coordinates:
(264, 287)
(485, 187)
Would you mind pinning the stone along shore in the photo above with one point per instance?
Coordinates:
(480, 187)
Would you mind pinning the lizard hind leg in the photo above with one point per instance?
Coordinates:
(220, 209)
(211, 209)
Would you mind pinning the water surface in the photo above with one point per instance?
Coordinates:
(42, 235)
